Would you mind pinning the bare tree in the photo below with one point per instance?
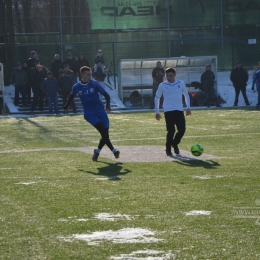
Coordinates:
(27, 5)
(17, 20)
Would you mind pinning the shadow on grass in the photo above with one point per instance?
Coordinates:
(209, 164)
(111, 170)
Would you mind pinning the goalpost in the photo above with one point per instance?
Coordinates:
(2, 88)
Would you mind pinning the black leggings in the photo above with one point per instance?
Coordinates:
(104, 137)
(173, 118)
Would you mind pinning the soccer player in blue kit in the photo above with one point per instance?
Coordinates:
(94, 111)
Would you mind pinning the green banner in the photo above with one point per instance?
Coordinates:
(145, 14)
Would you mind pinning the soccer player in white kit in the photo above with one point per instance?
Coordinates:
(172, 90)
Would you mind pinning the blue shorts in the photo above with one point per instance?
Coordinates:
(96, 117)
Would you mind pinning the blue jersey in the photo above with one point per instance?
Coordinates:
(89, 97)
(257, 79)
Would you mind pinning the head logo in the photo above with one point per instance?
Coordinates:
(80, 93)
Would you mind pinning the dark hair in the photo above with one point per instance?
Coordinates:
(61, 71)
(170, 69)
(66, 65)
(84, 68)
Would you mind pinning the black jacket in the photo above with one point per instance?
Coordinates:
(239, 77)
(81, 63)
(207, 79)
(55, 68)
(38, 77)
(158, 74)
(99, 75)
(65, 85)
(72, 64)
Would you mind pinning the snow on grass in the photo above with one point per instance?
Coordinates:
(109, 217)
(202, 177)
(126, 235)
(198, 212)
(150, 255)
(26, 183)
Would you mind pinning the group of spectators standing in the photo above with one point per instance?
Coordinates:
(238, 76)
(32, 77)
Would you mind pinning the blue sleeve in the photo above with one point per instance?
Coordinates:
(255, 78)
(99, 88)
(74, 89)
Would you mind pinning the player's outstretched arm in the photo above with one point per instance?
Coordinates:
(66, 107)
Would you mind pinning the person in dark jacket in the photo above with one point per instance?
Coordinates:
(208, 81)
(31, 60)
(56, 66)
(65, 87)
(38, 96)
(28, 86)
(239, 78)
(71, 62)
(19, 80)
(70, 73)
(158, 73)
(99, 58)
(81, 62)
(50, 88)
(99, 75)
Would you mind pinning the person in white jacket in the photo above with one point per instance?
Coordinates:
(172, 90)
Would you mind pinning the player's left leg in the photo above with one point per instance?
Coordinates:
(170, 126)
(181, 128)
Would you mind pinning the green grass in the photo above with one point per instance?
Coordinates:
(68, 186)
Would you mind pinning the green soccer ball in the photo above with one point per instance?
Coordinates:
(197, 149)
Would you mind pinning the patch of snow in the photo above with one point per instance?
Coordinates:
(109, 217)
(198, 212)
(126, 235)
(202, 177)
(26, 183)
(149, 253)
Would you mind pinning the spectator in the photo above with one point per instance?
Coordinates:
(71, 62)
(28, 86)
(50, 88)
(70, 73)
(254, 74)
(65, 87)
(81, 62)
(32, 59)
(157, 74)
(99, 75)
(99, 58)
(208, 81)
(38, 96)
(256, 80)
(56, 66)
(239, 78)
(19, 79)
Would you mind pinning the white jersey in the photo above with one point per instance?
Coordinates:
(172, 96)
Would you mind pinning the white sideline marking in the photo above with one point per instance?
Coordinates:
(149, 253)
(126, 235)
(109, 217)
(198, 212)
